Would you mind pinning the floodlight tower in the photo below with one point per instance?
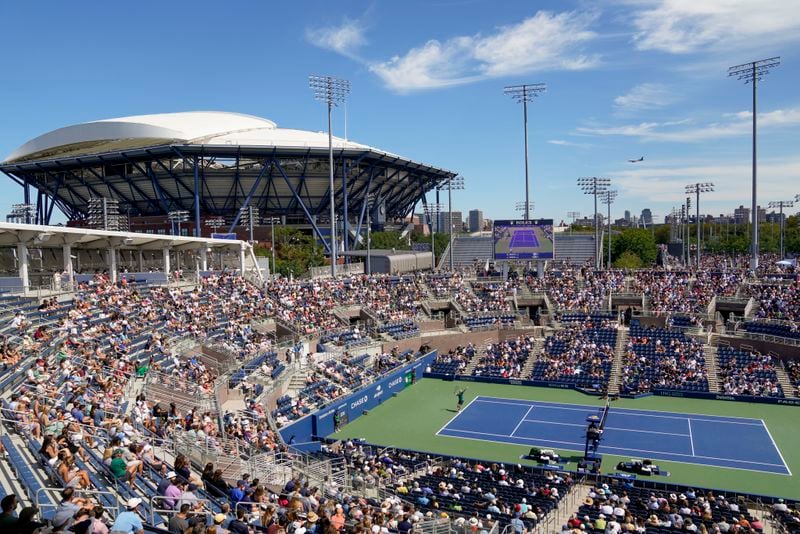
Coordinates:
(457, 182)
(607, 198)
(782, 204)
(215, 223)
(433, 210)
(176, 217)
(752, 72)
(594, 185)
(524, 207)
(332, 91)
(700, 187)
(525, 93)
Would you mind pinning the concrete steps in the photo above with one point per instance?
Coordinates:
(712, 366)
(615, 378)
(789, 389)
(533, 357)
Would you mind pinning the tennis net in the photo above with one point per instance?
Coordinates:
(604, 416)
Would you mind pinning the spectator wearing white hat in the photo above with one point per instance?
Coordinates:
(128, 522)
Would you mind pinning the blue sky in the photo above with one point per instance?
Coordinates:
(625, 78)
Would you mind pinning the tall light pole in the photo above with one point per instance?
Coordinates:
(370, 199)
(574, 216)
(332, 91)
(594, 185)
(781, 204)
(176, 217)
(525, 93)
(696, 189)
(687, 230)
(457, 182)
(272, 221)
(752, 72)
(607, 198)
(433, 210)
(250, 216)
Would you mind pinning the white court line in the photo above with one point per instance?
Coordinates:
(464, 409)
(691, 440)
(630, 450)
(607, 428)
(581, 449)
(634, 411)
(776, 447)
(524, 418)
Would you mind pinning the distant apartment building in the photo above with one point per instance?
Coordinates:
(475, 220)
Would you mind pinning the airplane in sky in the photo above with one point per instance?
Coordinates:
(636, 160)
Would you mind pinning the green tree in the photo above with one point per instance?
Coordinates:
(662, 234)
(296, 252)
(639, 241)
(628, 260)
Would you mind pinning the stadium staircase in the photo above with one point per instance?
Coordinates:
(615, 378)
(789, 389)
(576, 249)
(536, 353)
(467, 249)
(712, 365)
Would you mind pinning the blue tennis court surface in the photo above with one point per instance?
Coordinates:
(679, 437)
(524, 238)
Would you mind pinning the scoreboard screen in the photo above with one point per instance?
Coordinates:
(523, 239)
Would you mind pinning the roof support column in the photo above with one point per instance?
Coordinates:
(22, 264)
(141, 261)
(204, 259)
(166, 262)
(346, 240)
(197, 232)
(241, 259)
(68, 270)
(112, 264)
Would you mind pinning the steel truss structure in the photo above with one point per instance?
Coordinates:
(224, 180)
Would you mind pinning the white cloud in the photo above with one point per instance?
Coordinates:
(564, 142)
(545, 41)
(344, 39)
(665, 183)
(645, 96)
(736, 125)
(684, 26)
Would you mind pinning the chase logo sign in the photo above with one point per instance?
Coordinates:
(356, 403)
(396, 381)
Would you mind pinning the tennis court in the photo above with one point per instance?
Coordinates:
(731, 442)
(524, 238)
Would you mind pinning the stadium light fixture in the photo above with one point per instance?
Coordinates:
(574, 215)
(456, 182)
(433, 210)
(176, 217)
(700, 187)
(607, 198)
(215, 223)
(332, 91)
(525, 93)
(250, 216)
(753, 72)
(780, 204)
(593, 185)
(21, 213)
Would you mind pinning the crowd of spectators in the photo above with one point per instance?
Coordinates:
(580, 353)
(615, 510)
(505, 359)
(777, 301)
(658, 358)
(748, 373)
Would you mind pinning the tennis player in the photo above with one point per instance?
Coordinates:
(460, 395)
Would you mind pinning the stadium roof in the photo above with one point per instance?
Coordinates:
(215, 164)
(193, 127)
